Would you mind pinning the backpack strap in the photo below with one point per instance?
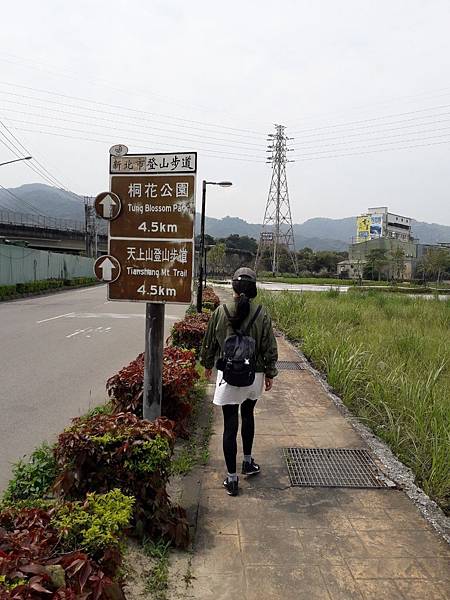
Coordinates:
(253, 319)
(227, 312)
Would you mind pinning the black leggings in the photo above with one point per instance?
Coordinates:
(230, 429)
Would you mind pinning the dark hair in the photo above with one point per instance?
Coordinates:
(246, 290)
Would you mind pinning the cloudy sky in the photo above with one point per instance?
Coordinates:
(363, 87)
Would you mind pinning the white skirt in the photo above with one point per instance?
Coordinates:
(230, 394)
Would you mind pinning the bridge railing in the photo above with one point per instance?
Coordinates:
(9, 217)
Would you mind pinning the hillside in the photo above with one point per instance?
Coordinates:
(318, 233)
(47, 200)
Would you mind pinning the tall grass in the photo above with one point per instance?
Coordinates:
(388, 357)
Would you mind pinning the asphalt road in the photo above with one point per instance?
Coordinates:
(56, 353)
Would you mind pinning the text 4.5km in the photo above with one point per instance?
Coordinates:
(156, 290)
(158, 227)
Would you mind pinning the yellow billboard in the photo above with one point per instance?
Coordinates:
(363, 228)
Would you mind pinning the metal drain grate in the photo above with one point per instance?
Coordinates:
(333, 467)
(290, 365)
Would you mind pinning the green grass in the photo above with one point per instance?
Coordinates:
(318, 280)
(398, 290)
(195, 450)
(388, 357)
(307, 280)
(157, 582)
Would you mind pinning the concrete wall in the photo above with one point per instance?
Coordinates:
(22, 264)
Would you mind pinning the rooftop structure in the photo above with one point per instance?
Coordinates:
(378, 223)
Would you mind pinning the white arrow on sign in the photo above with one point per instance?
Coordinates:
(108, 204)
(106, 268)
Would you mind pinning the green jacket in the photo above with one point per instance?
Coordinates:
(219, 329)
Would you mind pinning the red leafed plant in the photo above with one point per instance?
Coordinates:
(179, 376)
(122, 451)
(210, 299)
(34, 565)
(189, 332)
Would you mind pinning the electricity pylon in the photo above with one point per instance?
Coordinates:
(277, 231)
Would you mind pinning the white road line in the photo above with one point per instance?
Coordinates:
(87, 315)
(74, 333)
(58, 317)
(78, 331)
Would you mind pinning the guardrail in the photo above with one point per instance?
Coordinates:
(8, 217)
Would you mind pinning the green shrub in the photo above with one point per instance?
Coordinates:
(33, 478)
(36, 559)
(7, 291)
(95, 524)
(76, 281)
(122, 451)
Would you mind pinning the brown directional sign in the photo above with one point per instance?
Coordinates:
(107, 205)
(151, 210)
(152, 270)
(154, 206)
(107, 268)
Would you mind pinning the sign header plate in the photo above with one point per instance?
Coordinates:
(181, 162)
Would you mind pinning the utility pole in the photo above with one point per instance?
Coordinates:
(277, 231)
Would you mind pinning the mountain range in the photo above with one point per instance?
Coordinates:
(318, 233)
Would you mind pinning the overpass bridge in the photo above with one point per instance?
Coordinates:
(48, 233)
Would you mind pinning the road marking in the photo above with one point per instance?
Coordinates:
(58, 317)
(106, 315)
(74, 333)
(74, 315)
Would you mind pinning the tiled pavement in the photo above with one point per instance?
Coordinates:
(278, 542)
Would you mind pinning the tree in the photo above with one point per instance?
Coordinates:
(435, 262)
(240, 242)
(398, 263)
(215, 258)
(376, 260)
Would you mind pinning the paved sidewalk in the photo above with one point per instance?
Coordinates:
(278, 542)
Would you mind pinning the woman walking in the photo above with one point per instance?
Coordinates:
(240, 336)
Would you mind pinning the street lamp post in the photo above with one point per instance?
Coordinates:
(15, 160)
(202, 257)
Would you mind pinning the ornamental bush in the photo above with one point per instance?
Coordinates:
(42, 552)
(178, 384)
(33, 478)
(210, 299)
(189, 332)
(124, 452)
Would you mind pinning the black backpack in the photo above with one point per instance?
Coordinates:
(238, 362)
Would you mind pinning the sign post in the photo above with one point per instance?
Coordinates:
(150, 208)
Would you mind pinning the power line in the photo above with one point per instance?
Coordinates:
(109, 141)
(408, 98)
(40, 170)
(412, 112)
(28, 153)
(370, 130)
(54, 181)
(20, 154)
(302, 158)
(134, 110)
(108, 84)
(72, 129)
(221, 143)
(388, 137)
(21, 201)
(241, 138)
